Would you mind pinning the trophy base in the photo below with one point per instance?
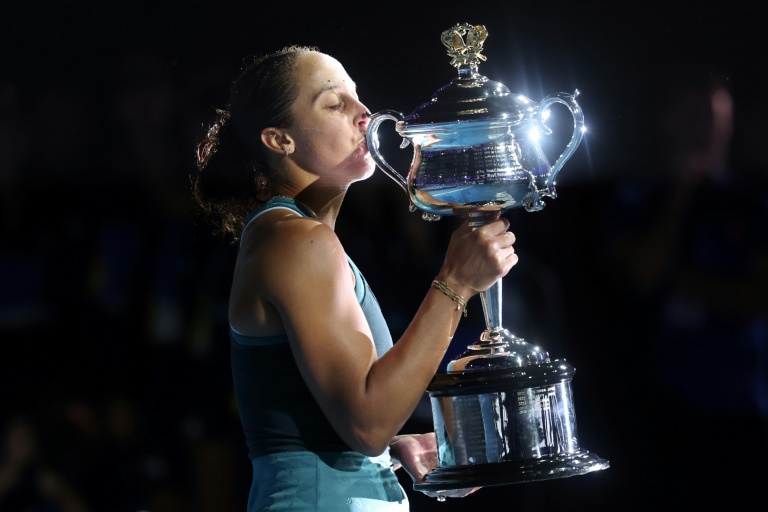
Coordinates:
(513, 472)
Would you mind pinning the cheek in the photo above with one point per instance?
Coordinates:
(320, 151)
(329, 142)
(315, 138)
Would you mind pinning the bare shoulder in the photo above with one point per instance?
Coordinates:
(292, 235)
(287, 244)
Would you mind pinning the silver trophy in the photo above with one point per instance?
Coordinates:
(503, 410)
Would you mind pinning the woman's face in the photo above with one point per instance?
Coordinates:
(330, 123)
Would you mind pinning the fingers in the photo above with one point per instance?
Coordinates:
(497, 232)
(497, 227)
(500, 248)
(512, 260)
(504, 241)
(477, 258)
(500, 243)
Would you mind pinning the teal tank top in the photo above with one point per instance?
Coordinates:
(277, 411)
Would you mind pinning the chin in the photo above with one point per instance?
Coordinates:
(358, 167)
(362, 177)
(366, 168)
(369, 171)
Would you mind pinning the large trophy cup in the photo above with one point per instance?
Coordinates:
(503, 411)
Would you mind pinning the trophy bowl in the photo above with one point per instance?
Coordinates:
(475, 144)
(503, 410)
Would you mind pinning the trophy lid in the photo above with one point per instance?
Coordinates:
(471, 96)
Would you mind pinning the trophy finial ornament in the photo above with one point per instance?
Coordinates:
(465, 52)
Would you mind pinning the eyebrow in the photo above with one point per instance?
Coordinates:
(353, 87)
(324, 89)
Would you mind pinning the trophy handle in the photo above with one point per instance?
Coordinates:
(578, 128)
(372, 139)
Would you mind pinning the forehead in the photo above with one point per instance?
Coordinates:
(318, 72)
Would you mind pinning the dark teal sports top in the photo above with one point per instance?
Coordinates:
(277, 410)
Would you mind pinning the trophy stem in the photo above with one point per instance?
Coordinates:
(492, 306)
(492, 296)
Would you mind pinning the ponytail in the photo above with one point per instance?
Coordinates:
(225, 182)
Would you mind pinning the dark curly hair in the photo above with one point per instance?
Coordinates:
(230, 159)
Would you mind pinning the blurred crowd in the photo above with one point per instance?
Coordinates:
(116, 379)
(115, 367)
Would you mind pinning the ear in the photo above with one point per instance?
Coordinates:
(276, 139)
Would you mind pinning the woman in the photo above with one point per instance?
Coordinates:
(322, 390)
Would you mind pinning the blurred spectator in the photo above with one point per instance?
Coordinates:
(683, 256)
(28, 482)
(693, 256)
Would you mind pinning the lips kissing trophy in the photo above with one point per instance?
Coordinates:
(503, 410)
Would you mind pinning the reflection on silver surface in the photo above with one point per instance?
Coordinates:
(506, 425)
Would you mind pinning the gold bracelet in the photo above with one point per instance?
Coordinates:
(452, 295)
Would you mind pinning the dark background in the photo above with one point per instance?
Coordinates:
(114, 357)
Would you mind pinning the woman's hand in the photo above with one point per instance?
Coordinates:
(477, 258)
(417, 454)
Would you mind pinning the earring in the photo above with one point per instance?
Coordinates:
(288, 150)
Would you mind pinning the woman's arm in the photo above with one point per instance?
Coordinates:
(308, 280)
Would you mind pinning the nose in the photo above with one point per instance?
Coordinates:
(365, 117)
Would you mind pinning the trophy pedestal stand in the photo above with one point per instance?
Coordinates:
(505, 426)
(503, 412)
